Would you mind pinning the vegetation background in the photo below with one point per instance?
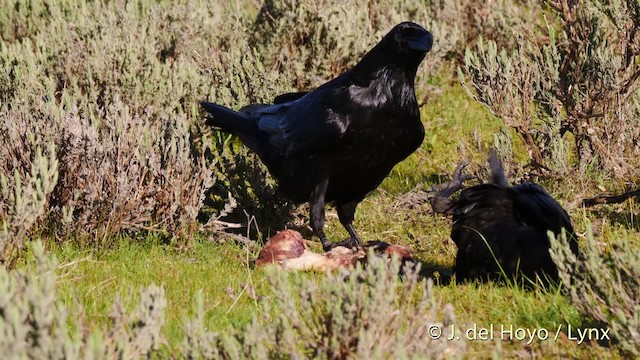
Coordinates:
(128, 228)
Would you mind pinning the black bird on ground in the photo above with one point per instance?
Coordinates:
(337, 143)
(503, 229)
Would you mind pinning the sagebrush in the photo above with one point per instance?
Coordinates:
(605, 286)
(569, 89)
(34, 323)
(117, 96)
(366, 312)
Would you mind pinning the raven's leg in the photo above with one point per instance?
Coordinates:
(316, 205)
(346, 214)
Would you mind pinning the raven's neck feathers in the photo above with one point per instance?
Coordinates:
(383, 56)
(385, 86)
(384, 75)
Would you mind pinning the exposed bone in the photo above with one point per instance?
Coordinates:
(288, 249)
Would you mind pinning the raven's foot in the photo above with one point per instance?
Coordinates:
(349, 243)
(327, 246)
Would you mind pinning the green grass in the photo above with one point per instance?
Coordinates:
(78, 54)
(94, 278)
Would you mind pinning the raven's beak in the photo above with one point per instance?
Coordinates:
(422, 43)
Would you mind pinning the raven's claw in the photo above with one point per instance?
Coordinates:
(349, 243)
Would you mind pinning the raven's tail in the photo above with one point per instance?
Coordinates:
(497, 171)
(228, 120)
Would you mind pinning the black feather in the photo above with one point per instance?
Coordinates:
(227, 120)
(338, 142)
(283, 98)
(502, 230)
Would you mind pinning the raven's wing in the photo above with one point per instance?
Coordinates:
(287, 97)
(538, 209)
(307, 124)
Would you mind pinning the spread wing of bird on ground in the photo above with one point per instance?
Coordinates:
(502, 230)
(336, 143)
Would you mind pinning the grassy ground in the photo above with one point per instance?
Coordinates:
(233, 288)
(220, 271)
(91, 69)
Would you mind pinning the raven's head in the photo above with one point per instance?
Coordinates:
(405, 46)
(407, 38)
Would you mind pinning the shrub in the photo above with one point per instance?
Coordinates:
(604, 287)
(24, 193)
(34, 324)
(315, 40)
(242, 175)
(139, 174)
(575, 80)
(367, 312)
(242, 78)
(499, 21)
(363, 312)
(116, 95)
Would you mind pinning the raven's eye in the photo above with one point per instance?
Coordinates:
(410, 31)
(403, 34)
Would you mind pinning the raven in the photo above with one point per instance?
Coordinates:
(337, 143)
(501, 229)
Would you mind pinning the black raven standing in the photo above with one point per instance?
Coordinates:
(501, 229)
(338, 142)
